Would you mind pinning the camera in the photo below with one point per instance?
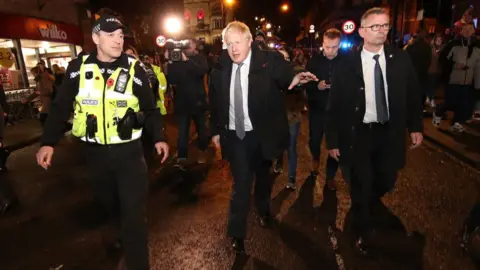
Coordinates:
(175, 48)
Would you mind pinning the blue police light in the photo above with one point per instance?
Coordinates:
(345, 45)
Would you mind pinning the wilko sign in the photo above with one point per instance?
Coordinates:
(15, 26)
(52, 32)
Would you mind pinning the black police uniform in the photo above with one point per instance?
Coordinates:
(118, 171)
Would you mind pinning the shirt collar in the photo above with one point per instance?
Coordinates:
(246, 62)
(121, 61)
(369, 54)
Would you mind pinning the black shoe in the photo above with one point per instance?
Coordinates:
(7, 205)
(180, 164)
(361, 246)
(331, 185)
(265, 221)
(238, 245)
(117, 245)
(277, 169)
(291, 184)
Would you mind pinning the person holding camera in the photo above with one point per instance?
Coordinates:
(187, 73)
(323, 66)
(113, 102)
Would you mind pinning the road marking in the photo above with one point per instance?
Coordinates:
(334, 244)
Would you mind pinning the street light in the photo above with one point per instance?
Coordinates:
(173, 25)
(256, 18)
(229, 2)
(268, 25)
(285, 7)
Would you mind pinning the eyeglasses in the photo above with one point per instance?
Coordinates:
(377, 27)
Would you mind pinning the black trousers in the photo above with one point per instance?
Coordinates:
(316, 125)
(149, 151)
(247, 164)
(460, 100)
(369, 181)
(119, 182)
(43, 118)
(183, 121)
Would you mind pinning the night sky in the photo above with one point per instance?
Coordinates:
(246, 10)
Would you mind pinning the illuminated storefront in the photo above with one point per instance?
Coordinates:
(24, 41)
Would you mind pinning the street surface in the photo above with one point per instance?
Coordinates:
(58, 225)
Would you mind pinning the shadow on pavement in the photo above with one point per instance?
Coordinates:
(296, 232)
(245, 261)
(276, 203)
(327, 212)
(391, 246)
(240, 262)
(188, 181)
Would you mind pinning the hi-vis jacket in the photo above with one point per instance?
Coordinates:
(162, 88)
(98, 97)
(95, 96)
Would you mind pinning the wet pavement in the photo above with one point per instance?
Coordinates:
(59, 225)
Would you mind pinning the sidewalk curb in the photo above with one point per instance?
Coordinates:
(23, 144)
(471, 162)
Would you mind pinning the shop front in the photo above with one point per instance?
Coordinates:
(25, 41)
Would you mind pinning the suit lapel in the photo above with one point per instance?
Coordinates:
(358, 64)
(226, 78)
(258, 62)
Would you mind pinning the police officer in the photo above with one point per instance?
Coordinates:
(113, 102)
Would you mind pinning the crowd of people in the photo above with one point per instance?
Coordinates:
(253, 99)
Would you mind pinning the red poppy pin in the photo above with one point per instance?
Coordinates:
(110, 82)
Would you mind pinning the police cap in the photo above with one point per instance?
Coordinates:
(107, 23)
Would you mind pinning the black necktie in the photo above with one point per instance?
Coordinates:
(380, 99)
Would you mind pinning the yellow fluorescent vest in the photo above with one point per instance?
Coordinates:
(97, 97)
(162, 87)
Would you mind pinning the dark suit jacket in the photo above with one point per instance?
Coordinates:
(346, 107)
(269, 74)
(188, 77)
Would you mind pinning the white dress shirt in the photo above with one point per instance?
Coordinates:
(244, 71)
(368, 66)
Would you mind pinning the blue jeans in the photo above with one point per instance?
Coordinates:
(292, 155)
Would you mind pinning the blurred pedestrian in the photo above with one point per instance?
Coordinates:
(295, 101)
(323, 65)
(464, 54)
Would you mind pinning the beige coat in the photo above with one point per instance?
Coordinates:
(44, 90)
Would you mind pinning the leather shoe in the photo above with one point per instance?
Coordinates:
(265, 221)
(238, 245)
(7, 205)
(331, 185)
(361, 246)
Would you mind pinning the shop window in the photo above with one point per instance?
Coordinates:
(217, 24)
(50, 52)
(79, 50)
(10, 74)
